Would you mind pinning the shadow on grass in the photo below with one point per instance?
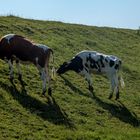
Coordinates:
(118, 110)
(73, 88)
(50, 110)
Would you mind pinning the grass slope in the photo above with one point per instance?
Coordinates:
(73, 113)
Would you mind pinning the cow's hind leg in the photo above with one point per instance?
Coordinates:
(117, 87)
(90, 87)
(48, 81)
(43, 75)
(47, 74)
(112, 80)
(19, 70)
(117, 93)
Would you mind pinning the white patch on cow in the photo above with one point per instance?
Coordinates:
(44, 47)
(36, 60)
(9, 36)
(113, 58)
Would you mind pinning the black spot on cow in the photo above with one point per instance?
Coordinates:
(98, 67)
(101, 60)
(86, 65)
(86, 69)
(76, 64)
(111, 63)
(106, 60)
(89, 58)
(101, 57)
(116, 66)
(93, 64)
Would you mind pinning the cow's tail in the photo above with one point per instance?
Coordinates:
(121, 81)
(53, 71)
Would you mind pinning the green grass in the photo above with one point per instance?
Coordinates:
(73, 113)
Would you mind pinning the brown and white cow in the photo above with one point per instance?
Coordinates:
(87, 62)
(16, 47)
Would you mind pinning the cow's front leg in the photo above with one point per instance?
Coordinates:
(43, 78)
(117, 93)
(11, 70)
(48, 80)
(89, 80)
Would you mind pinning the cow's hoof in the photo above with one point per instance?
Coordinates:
(50, 91)
(117, 97)
(43, 93)
(110, 96)
(20, 77)
(91, 89)
(11, 79)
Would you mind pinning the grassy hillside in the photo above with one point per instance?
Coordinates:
(72, 113)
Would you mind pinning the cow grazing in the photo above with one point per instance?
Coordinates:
(87, 62)
(15, 47)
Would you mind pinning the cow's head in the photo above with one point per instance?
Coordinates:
(63, 68)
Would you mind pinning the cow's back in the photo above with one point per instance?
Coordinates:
(20, 47)
(99, 62)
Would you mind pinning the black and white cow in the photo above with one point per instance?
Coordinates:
(87, 62)
(16, 47)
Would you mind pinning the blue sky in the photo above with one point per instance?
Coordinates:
(112, 13)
